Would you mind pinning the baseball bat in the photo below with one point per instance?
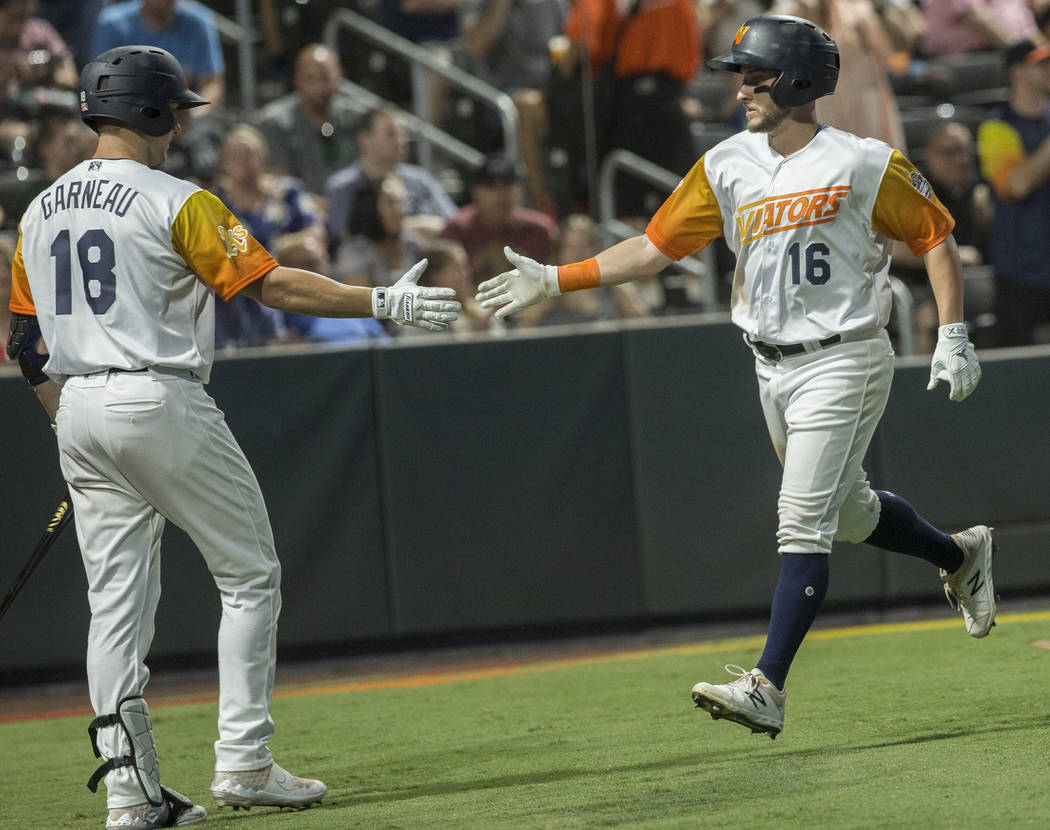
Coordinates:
(55, 526)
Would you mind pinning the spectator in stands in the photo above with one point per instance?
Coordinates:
(950, 164)
(495, 218)
(378, 248)
(75, 22)
(653, 47)
(1042, 19)
(433, 25)
(949, 161)
(424, 22)
(382, 146)
(954, 27)
(32, 55)
(310, 131)
(61, 141)
(308, 252)
(1013, 145)
(185, 28)
(507, 42)
(863, 103)
(905, 26)
(270, 206)
(188, 30)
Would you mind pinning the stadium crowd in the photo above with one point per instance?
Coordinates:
(326, 168)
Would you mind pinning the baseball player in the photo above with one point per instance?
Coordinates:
(810, 212)
(114, 279)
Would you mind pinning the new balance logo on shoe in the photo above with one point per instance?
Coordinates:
(971, 588)
(750, 700)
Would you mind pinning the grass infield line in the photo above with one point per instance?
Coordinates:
(546, 664)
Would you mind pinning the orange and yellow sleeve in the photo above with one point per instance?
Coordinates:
(689, 219)
(21, 297)
(907, 209)
(217, 247)
(1001, 152)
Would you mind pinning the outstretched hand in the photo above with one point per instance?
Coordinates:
(409, 304)
(526, 284)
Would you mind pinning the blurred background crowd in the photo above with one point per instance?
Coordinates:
(352, 138)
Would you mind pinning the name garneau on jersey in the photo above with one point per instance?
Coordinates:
(811, 231)
(120, 264)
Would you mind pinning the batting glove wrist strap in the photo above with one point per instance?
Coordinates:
(380, 308)
(551, 283)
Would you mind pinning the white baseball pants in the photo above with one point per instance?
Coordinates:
(136, 449)
(821, 409)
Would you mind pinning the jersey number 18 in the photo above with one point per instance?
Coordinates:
(97, 260)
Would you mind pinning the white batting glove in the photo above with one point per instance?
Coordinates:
(955, 361)
(409, 304)
(527, 284)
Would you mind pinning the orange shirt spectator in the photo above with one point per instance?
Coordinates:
(661, 37)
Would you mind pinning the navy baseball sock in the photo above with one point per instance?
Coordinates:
(902, 530)
(800, 591)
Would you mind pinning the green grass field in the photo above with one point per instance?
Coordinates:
(910, 726)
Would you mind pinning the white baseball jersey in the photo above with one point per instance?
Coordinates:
(120, 264)
(811, 231)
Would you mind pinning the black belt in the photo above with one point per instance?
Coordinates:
(775, 353)
(116, 371)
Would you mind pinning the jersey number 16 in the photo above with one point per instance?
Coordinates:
(816, 268)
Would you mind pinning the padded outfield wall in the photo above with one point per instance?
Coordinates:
(550, 479)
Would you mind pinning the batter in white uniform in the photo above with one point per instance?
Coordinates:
(810, 212)
(116, 271)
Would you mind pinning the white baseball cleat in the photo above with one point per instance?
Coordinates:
(176, 811)
(750, 700)
(970, 589)
(270, 786)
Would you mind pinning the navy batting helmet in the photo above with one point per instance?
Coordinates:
(804, 54)
(137, 86)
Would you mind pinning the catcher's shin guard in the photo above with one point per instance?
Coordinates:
(132, 716)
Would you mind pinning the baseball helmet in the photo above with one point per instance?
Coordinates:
(136, 86)
(804, 54)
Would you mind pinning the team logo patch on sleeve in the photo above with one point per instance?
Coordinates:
(920, 184)
(235, 239)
